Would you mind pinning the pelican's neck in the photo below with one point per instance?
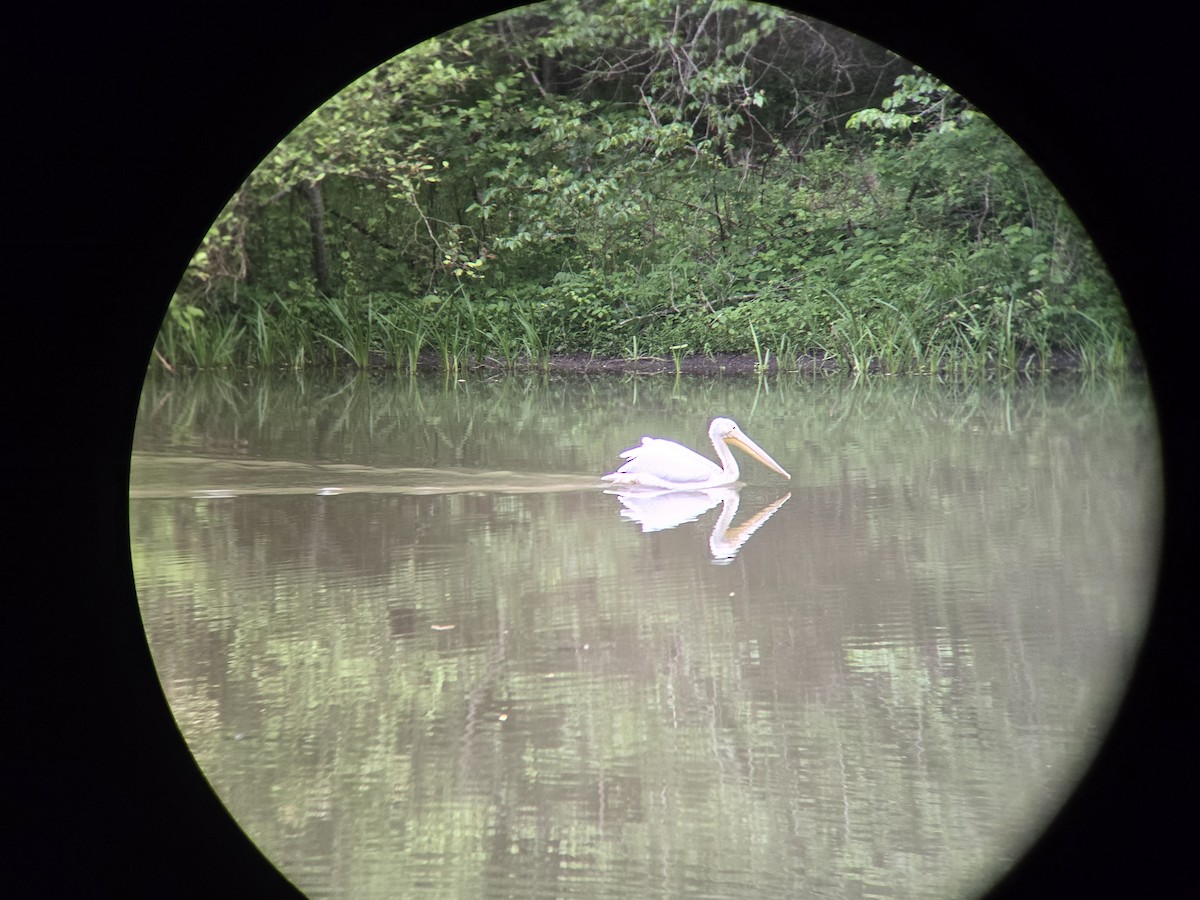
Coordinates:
(728, 462)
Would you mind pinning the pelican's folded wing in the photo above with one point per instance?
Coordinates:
(662, 462)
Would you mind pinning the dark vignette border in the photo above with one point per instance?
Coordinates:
(126, 130)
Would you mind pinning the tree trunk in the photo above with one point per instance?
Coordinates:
(316, 224)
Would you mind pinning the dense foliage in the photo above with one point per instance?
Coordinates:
(675, 178)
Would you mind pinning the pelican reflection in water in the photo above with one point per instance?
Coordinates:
(661, 510)
(666, 465)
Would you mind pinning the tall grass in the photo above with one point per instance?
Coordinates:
(852, 337)
(945, 326)
(191, 337)
(1103, 347)
(403, 335)
(531, 340)
(354, 330)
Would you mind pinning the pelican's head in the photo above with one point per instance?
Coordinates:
(727, 430)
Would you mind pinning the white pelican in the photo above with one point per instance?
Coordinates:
(669, 466)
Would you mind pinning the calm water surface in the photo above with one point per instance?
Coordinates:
(419, 652)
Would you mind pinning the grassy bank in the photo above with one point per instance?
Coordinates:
(934, 324)
(244, 341)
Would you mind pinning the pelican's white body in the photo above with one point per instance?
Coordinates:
(666, 465)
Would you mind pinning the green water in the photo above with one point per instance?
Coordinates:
(419, 652)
